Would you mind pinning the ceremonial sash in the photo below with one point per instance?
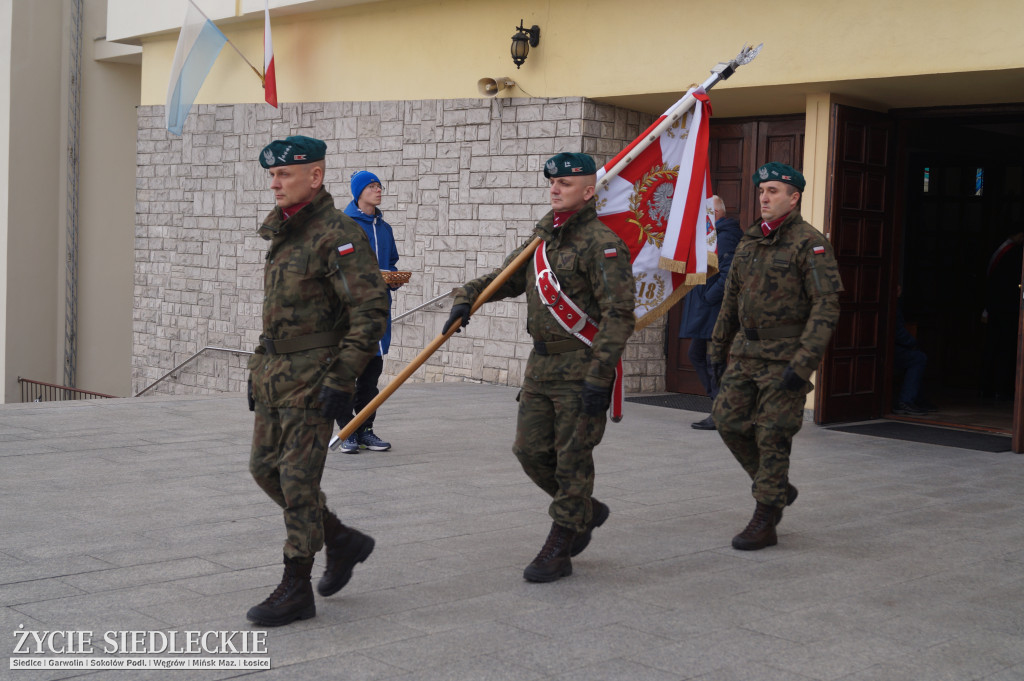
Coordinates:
(572, 318)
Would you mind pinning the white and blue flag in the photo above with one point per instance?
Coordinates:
(199, 44)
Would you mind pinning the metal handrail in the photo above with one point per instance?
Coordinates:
(420, 307)
(247, 352)
(54, 392)
(208, 347)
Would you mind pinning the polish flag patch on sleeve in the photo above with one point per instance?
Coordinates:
(610, 252)
(345, 249)
(818, 250)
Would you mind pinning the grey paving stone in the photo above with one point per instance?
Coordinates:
(617, 669)
(899, 561)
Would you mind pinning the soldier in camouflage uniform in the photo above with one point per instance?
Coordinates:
(781, 305)
(324, 309)
(567, 386)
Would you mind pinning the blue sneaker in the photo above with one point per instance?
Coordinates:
(368, 439)
(350, 445)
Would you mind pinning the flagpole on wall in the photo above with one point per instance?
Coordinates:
(720, 72)
(233, 46)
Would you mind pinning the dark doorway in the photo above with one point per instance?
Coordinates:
(963, 195)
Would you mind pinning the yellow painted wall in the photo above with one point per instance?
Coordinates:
(413, 49)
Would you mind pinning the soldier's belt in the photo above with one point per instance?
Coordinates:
(312, 341)
(775, 333)
(557, 347)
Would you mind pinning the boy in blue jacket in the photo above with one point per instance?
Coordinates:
(367, 192)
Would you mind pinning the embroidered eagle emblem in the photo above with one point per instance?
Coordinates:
(660, 204)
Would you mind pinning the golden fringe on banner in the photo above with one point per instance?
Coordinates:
(677, 266)
(693, 279)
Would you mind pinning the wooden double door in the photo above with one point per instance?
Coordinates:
(738, 147)
(895, 211)
(851, 384)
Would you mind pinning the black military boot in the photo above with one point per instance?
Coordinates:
(598, 515)
(760, 531)
(791, 493)
(344, 548)
(552, 563)
(292, 599)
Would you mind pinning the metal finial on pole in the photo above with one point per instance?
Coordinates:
(719, 72)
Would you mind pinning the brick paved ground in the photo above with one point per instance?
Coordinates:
(899, 561)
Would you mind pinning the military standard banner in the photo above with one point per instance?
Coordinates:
(660, 205)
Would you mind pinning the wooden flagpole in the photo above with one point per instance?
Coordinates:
(720, 72)
(425, 354)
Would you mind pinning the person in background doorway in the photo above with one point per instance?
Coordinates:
(1002, 309)
(909, 360)
(702, 304)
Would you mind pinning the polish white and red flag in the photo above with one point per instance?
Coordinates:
(269, 75)
(660, 205)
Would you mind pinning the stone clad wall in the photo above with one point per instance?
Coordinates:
(463, 187)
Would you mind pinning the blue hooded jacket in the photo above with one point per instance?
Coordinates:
(382, 241)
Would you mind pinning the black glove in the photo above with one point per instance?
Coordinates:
(595, 399)
(460, 311)
(248, 393)
(790, 380)
(335, 404)
(717, 371)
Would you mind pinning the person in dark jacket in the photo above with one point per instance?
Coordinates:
(1002, 309)
(367, 193)
(702, 304)
(910, 360)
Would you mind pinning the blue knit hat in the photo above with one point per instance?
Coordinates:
(361, 179)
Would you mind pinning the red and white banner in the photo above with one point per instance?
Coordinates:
(269, 75)
(660, 205)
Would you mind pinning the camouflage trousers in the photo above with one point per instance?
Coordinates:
(757, 420)
(555, 444)
(289, 448)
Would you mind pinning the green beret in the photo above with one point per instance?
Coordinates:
(292, 151)
(565, 163)
(779, 172)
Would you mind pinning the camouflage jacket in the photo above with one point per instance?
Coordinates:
(787, 281)
(320, 275)
(579, 252)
